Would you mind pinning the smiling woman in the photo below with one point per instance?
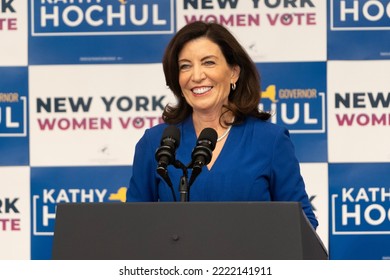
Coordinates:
(205, 77)
(217, 86)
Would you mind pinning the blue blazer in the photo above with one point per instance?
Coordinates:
(257, 163)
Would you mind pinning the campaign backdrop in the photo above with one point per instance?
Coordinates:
(80, 81)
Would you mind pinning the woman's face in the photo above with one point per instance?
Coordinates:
(204, 76)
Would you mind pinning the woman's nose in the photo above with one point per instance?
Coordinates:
(198, 74)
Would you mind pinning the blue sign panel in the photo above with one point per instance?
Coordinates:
(52, 185)
(112, 31)
(295, 93)
(358, 29)
(359, 210)
(14, 136)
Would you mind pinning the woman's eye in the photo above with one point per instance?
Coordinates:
(184, 66)
(209, 62)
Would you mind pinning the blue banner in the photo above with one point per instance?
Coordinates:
(295, 93)
(75, 32)
(358, 29)
(53, 185)
(14, 136)
(359, 195)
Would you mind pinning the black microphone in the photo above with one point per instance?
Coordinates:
(166, 153)
(203, 151)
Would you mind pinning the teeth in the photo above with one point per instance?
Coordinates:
(201, 90)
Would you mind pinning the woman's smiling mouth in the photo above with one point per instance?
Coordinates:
(201, 90)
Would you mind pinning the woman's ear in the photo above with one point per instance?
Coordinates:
(235, 73)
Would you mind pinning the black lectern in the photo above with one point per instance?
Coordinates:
(185, 231)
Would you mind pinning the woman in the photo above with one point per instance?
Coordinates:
(217, 85)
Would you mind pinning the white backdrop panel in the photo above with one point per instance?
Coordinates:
(119, 103)
(358, 111)
(13, 33)
(15, 213)
(315, 176)
(271, 31)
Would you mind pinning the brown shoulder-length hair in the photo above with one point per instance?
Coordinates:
(243, 101)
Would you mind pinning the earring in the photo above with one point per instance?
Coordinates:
(233, 86)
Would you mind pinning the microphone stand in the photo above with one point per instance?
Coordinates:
(162, 171)
(183, 186)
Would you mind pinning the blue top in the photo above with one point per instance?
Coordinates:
(257, 163)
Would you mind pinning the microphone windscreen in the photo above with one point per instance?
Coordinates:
(171, 132)
(209, 134)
